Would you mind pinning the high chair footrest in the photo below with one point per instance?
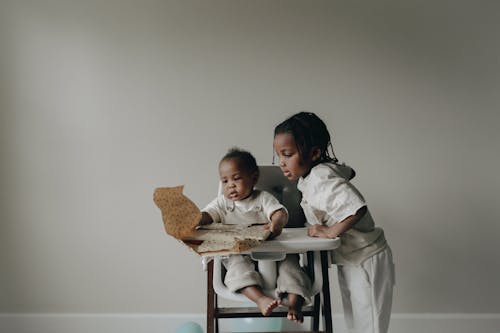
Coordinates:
(272, 256)
(240, 312)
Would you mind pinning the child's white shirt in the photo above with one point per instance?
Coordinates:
(328, 198)
(256, 209)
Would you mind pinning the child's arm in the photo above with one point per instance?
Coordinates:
(213, 211)
(205, 219)
(323, 231)
(278, 220)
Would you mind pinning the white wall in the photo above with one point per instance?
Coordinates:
(102, 101)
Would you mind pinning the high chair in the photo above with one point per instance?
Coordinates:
(294, 239)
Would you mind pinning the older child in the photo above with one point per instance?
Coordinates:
(242, 204)
(335, 207)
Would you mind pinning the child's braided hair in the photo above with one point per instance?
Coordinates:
(308, 131)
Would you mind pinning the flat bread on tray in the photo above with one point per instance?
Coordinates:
(181, 217)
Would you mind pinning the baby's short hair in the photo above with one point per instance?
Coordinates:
(243, 158)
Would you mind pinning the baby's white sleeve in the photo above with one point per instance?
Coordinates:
(270, 204)
(214, 209)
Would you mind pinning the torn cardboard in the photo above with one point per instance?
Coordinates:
(181, 217)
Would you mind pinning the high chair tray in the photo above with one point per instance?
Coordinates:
(295, 240)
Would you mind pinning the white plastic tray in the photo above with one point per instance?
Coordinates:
(295, 240)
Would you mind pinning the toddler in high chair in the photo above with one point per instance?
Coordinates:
(242, 204)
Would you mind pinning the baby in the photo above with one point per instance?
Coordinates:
(242, 204)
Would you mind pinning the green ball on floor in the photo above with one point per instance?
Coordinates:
(256, 325)
(189, 327)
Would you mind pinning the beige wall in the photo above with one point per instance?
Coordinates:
(102, 101)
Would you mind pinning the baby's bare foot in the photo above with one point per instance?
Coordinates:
(267, 304)
(295, 303)
(295, 315)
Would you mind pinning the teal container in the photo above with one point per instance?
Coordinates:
(189, 327)
(256, 325)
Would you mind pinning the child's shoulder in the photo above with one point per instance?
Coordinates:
(264, 197)
(261, 194)
(322, 169)
(332, 170)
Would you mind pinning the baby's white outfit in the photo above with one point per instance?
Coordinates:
(241, 273)
(364, 259)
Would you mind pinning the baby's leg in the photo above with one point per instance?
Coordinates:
(295, 283)
(264, 303)
(242, 277)
(241, 273)
(295, 303)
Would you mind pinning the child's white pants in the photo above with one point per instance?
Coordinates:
(241, 273)
(292, 279)
(367, 293)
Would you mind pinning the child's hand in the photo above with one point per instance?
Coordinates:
(274, 228)
(337, 229)
(278, 221)
(318, 230)
(205, 219)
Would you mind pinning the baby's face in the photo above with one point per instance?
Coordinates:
(237, 184)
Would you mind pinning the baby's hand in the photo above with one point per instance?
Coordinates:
(274, 228)
(205, 219)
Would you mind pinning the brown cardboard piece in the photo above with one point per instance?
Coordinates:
(181, 217)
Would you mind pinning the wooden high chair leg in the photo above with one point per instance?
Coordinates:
(317, 298)
(316, 310)
(210, 298)
(216, 313)
(327, 308)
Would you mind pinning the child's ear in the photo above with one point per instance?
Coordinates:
(255, 177)
(315, 154)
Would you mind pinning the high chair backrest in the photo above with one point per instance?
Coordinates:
(273, 181)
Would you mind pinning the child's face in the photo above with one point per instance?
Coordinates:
(291, 163)
(237, 184)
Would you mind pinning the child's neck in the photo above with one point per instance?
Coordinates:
(311, 166)
(248, 196)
